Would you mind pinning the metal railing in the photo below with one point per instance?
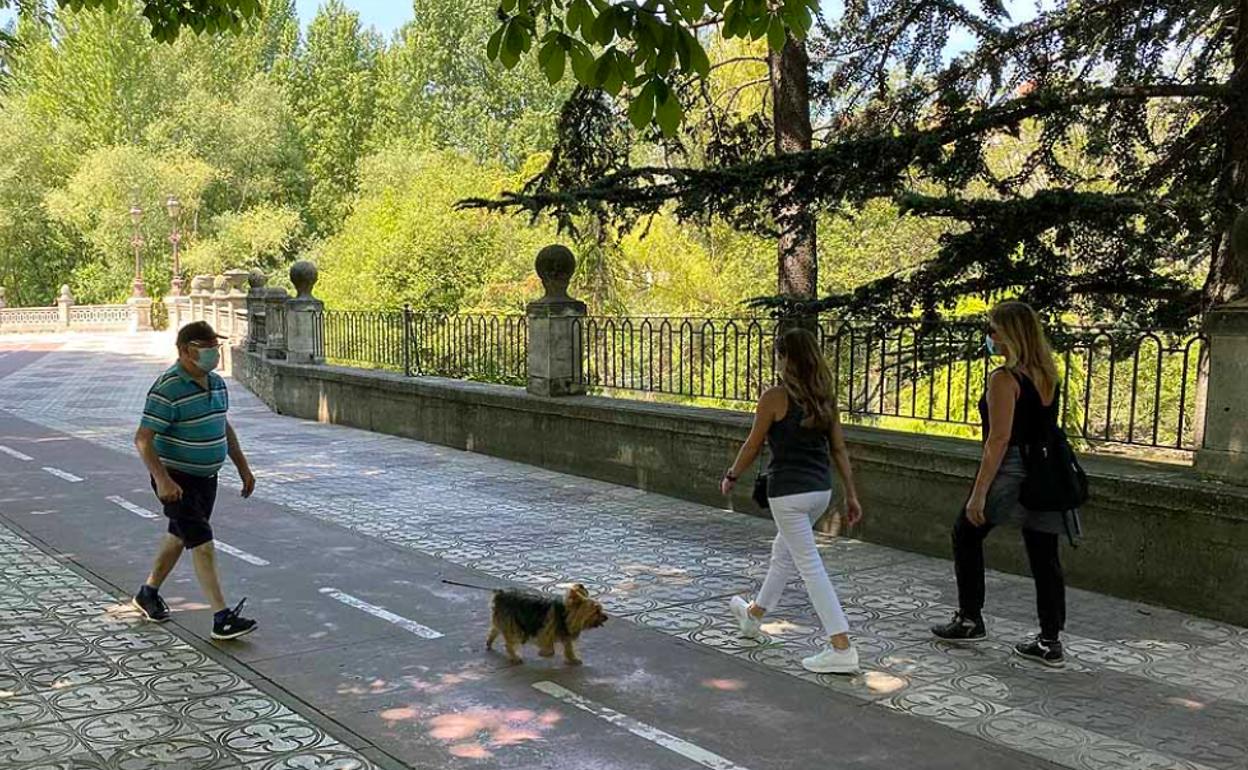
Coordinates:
(1118, 386)
(489, 348)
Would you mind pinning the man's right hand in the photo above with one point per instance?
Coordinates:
(168, 490)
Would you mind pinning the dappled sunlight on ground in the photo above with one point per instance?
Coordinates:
(476, 733)
(725, 685)
(882, 682)
(429, 684)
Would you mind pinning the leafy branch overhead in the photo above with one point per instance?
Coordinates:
(169, 17)
(644, 46)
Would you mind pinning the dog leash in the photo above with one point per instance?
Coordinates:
(468, 585)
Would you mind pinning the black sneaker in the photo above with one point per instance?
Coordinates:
(961, 629)
(228, 624)
(151, 605)
(1048, 652)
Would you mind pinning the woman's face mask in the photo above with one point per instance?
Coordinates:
(990, 344)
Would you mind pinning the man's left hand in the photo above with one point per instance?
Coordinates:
(249, 481)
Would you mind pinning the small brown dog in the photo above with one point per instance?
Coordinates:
(521, 615)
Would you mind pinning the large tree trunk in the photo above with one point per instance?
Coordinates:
(1228, 271)
(798, 267)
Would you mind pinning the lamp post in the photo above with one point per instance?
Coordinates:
(136, 217)
(174, 207)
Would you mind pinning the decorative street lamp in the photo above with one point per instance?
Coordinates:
(174, 207)
(136, 216)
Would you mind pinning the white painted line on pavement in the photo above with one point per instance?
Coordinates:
(14, 453)
(381, 612)
(60, 474)
(240, 554)
(138, 510)
(653, 734)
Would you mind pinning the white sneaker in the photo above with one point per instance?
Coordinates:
(750, 626)
(833, 661)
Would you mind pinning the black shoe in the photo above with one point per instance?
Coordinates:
(151, 605)
(961, 629)
(1046, 651)
(228, 624)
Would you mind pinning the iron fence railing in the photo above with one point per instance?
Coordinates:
(1122, 386)
(1118, 386)
(491, 348)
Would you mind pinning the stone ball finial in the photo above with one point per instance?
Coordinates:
(66, 295)
(257, 280)
(555, 265)
(236, 281)
(220, 285)
(303, 275)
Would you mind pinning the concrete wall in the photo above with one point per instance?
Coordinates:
(1155, 533)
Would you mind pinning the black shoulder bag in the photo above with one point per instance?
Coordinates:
(1054, 479)
(760, 490)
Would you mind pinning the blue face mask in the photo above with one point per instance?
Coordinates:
(208, 358)
(988, 343)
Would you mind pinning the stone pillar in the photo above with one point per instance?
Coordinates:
(305, 343)
(201, 288)
(63, 303)
(1224, 453)
(177, 308)
(234, 302)
(255, 311)
(140, 314)
(220, 290)
(275, 300)
(555, 326)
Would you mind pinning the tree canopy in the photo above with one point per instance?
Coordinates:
(1136, 160)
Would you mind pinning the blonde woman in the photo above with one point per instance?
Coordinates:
(799, 421)
(1020, 405)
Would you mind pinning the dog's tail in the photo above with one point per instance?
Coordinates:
(468, 585)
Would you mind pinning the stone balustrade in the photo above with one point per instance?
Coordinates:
(67, 315)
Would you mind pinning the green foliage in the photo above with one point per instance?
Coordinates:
(436, 89)
(405, 242)
(96, 201)
(260, 237)
(98, 117)
(638, 46)
(334, 93)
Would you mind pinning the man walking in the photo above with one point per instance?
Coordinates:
(184, 438)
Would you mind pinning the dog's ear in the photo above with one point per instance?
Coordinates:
(577, 593)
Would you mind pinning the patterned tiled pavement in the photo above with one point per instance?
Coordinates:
(86, 683)
(1145, 688)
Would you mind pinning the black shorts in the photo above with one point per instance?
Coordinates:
(188, 517)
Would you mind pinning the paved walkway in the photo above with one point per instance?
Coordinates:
(342, 553)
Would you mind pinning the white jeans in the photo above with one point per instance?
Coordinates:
(794, 550)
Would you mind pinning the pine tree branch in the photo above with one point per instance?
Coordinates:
(873, 162)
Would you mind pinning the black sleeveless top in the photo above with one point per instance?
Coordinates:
(1031, 417)
(800, 456)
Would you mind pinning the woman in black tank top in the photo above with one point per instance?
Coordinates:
(799, 422)
(1020, 405)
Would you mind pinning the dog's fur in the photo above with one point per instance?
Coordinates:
(519, 616)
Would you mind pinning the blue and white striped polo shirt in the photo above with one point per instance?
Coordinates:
(189, 421)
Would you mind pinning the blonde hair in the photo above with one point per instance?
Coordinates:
(1026, 345)
(807, 379)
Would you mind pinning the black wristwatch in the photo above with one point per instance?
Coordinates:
(728, 475)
